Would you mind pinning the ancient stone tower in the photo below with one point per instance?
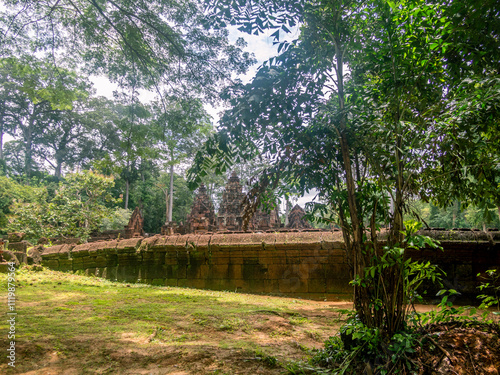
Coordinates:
(202, 217)
(230, 215)
(265, 221)
(296, 218)
(135, 225)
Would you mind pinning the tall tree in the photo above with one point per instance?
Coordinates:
(32, 92)
(182, 126)
(137, 141)
(360, 136)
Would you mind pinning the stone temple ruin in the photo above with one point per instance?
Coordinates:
(202, 217)
(230, 216)
(296, 219)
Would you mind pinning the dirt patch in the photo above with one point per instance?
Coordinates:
(457, 349)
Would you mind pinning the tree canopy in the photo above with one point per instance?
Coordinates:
(153, 44)
(372, 105)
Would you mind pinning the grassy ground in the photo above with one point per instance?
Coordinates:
(73, 324)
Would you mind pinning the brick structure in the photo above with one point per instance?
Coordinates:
(296, 219)
(135, 225)
(230, 215)
(17, 242)
(265, 221)
(298, 264)
(202, 217)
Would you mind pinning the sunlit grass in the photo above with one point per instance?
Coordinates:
(72, 313)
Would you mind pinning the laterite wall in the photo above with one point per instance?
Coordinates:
(302, 264)
(297, 264)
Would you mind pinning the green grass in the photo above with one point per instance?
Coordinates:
(88, 320)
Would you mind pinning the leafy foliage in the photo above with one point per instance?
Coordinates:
(373, 137)
(77, 209)
(144, 44)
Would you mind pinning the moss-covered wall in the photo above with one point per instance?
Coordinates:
(297, 264)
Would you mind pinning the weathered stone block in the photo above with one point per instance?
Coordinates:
(293, 260)
(65, 264)
(90, 271)
(111, 272)
(158, 282)
(214, 284)
(77, 264)
(193, 271)
(148, 244)
(127, 273)
(217, 271)
(253, 271)
(15, 236)
(271, 286)
(250, 260)
(171, 282)
(203, 243)
(316, 286)
(226, 260)
(4, 267)
(89, 262)
(80, 251)
(181, 271)
(195, 283)
(338, 286)
(255, 285)
(21, 247)
(130, 245)
(234, 271)
(51, 252)
(53, 264)
(292, 281)
(22, 257)
(276, 271)
(317, 271)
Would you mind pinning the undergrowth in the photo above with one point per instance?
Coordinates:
(358, 349)
(373, 346)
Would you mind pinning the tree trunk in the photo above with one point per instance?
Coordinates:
(1, 138)
(127, 188)
(287, 211)
(171, 197)
(396, 236)
(360, 297)
(58, 170)
(28, 139)
(166, 205)
(498, 212)
(454, 214)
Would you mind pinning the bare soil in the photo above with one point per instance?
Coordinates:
(456, 348)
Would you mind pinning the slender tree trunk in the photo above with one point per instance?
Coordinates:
(28, 139)
(127, 188)
(397, 226)
(454, 214)
(1, 138)
(171, 197)
(360, 298)
(166, 205)
(498, 212)
(58, 170)
(287, 211)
